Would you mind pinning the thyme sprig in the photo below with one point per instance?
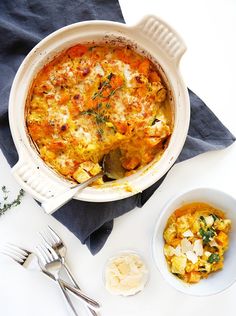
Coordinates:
(114, 91)
(99, 93)
(105, 84)
(6, 205)
(98, 117)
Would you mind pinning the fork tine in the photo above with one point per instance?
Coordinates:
(54, 234)
(42, 254)
(15, 251)
(53, 241)
(20, 250)
(50, 250)
(45, 238)
(13, 256)
(45, 246)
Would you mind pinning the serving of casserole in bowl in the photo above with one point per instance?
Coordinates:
(93, 87)
(194, 241)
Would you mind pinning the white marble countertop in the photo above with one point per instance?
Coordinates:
(208, 67)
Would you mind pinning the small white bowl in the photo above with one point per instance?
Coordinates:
(121, 254)
(218, 281)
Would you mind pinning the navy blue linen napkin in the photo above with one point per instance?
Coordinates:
(22, 25)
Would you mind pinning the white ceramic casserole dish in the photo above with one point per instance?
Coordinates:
(161, 43)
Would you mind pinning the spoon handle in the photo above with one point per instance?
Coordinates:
(55, 202)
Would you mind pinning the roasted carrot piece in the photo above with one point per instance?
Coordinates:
(121, 127)
(195, 277)
(131, 163)
(91, 104)
(175, 242)
(222, 239)
(144, 67)
(37, 131)
(116, 81)
(141, 91)
(77, 51)
(64, 98)
(56, 146)
(154, 77)
(180, 212)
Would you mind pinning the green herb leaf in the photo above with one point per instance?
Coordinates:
(110, 76)
(100, 119)
(202, 218)
(8, 205)
(100, 132)
(155, 121)
(88, 112)
(114, 91)
(214, 257)
(215, 217)
(91, 48)
(99, 93)
(207, 235)
(95, 95)
(103, 85)
(4, 189)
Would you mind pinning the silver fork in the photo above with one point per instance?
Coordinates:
(24, 257)
(58, 245)
(51, 264)
(51, 237)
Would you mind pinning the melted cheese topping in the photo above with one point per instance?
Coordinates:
(92, 99)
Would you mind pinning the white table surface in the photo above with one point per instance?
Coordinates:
(208, 68)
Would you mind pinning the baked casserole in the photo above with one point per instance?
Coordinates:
(91, 99)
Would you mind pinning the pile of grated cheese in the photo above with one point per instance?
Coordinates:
(125, 275)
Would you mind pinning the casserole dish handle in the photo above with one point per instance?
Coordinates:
(33, 181)
(164, 36)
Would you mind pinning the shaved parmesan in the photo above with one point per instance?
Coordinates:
(186, 245)
(191, 256)
(188, 233)
(125, 274)
(209, 220)
(213, 243)
(169, 251)
(177, 251)
(198, 248)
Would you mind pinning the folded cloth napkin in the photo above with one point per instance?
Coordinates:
(23, 25)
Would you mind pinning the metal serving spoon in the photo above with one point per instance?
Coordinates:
(111, 167)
